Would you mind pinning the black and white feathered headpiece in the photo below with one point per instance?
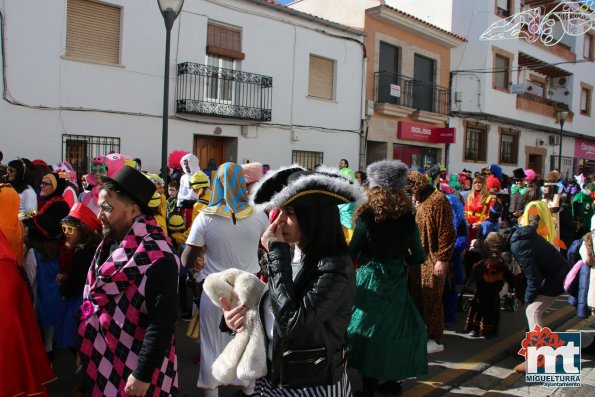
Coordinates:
(389, 174)
(297, 187)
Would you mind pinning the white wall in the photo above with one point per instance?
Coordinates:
(276, 44)
(348, 12)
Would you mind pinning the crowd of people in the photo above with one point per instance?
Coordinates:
(288, 277)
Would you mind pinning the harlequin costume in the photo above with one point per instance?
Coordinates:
(129, 311)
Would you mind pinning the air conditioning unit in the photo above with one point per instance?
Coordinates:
(554, 140)
(560, 82)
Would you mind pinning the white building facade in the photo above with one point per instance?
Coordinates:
(249, 81)
(506, 94)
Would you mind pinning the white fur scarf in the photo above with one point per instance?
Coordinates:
(245, 356)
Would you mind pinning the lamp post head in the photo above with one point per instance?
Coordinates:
(561, 116)
(170, 9)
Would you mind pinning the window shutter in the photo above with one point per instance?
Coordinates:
(224, 41)
(93, 31)
(322, 71)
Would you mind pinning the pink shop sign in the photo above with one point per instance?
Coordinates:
(584, 149)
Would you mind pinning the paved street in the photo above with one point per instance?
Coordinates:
(467, 367)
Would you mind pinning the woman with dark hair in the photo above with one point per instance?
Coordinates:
(20, 176)
(81, 238)
(306, 317)
(387, 333)
(46, 255)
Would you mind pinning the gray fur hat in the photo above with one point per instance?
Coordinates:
(389, 174)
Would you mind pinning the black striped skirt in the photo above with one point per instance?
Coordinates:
(342, 388)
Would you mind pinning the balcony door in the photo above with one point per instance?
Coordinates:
(423, 86)
(388, 68)
(220, 87)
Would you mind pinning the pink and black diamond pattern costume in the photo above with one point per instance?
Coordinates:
(117, 323)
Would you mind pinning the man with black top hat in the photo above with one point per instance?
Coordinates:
(129, 310)
(517, 191)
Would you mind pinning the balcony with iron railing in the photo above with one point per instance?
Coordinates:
(414, 94)
(213, 91)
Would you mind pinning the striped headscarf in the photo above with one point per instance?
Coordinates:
(228, 197)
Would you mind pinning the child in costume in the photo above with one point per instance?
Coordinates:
(489, 275)
(199, 183)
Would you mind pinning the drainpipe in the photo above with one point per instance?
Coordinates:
(363, 132)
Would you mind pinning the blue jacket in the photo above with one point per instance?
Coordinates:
(542, 265)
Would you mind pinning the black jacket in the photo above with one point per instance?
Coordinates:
(311, 318)
(542, 265)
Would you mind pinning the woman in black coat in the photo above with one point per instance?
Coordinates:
(544, 269)
(305, 318)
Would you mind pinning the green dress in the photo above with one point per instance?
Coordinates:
(387, 334)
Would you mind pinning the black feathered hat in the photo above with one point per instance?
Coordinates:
(294, 186)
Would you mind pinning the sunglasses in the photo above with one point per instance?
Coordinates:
(44, 184)
(105, 207)
(69, 229)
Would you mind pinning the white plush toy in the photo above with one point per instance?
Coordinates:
(245, 356)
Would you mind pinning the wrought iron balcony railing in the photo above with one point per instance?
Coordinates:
(413, 93)
(213, 91)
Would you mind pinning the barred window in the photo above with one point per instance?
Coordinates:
(476, 143)
(509, 143)
(79, 150)
(93, 31)
(306, 159)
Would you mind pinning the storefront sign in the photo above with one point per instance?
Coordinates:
(425, 133)
(584, 149)
(395, 90)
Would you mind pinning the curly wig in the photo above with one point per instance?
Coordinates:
(385, 204)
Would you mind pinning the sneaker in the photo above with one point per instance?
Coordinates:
(434, 347)
(473, 333)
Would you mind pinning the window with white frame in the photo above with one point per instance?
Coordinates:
(321, 77)
(93, 31)
(220, 85)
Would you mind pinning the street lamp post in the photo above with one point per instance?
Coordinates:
(561, 116)
(170, 9)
